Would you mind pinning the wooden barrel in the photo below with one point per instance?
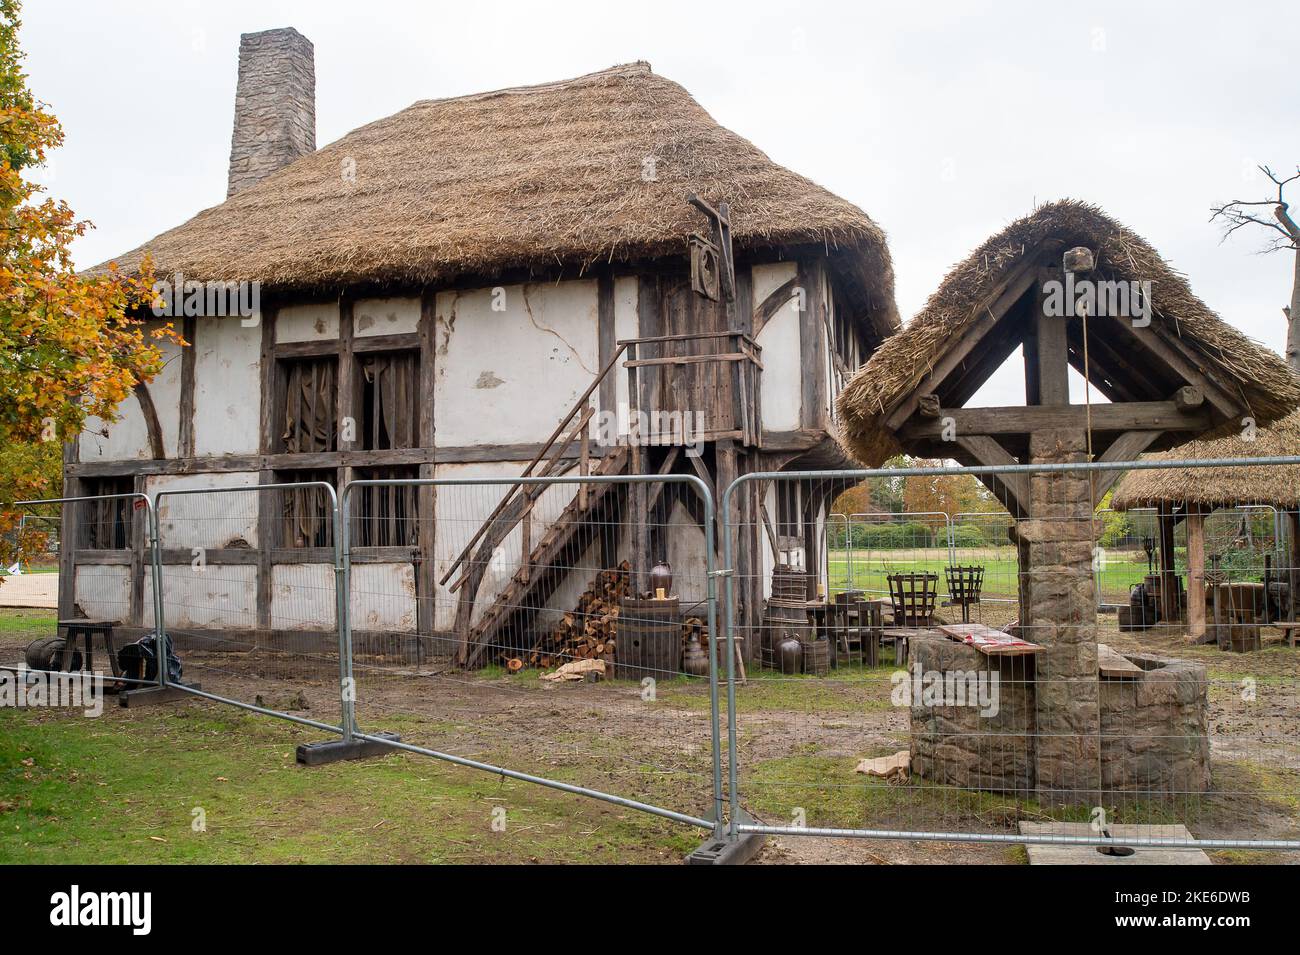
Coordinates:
(789, 585)
(649, 642)
(817, 657)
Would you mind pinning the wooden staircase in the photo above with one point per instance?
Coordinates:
(544, 565)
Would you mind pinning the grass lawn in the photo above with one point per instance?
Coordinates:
(1001, 573)
(126, 787)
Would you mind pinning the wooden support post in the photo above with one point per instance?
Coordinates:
(1169, 609)
(1293, 558)
(1196, 574)
(1051, 351)
(426, 582)
(269, 504)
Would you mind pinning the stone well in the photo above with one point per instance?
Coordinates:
(1152, 738)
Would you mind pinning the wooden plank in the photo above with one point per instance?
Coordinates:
(426, 591)
(1133, 416)
(812, 346)
(408, 341)
(606, 341)
(986, 640)
(1127, 447)
(1051, 351)
(268, 503)
(189, 358)
(1005, 293)
(1112, 666)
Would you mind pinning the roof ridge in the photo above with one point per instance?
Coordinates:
(636, 67)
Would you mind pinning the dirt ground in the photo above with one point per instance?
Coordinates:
(799, 741)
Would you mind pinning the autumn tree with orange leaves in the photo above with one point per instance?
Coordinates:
(71, 346)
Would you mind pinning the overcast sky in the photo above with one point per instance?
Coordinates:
(943, 120)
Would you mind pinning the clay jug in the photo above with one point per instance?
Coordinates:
(694, 660)
(661, 578)
(789, 654)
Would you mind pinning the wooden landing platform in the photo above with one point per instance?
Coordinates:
(1088, 855)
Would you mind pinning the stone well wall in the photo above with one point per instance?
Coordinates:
(1152, 740)
(956, 745)
(1154, 730)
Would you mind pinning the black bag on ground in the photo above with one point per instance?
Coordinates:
(139, 660)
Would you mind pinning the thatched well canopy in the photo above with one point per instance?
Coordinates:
(1208, 488)
(1185, 373)
(564, 175)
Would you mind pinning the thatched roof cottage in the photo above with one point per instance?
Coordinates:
(466, 282)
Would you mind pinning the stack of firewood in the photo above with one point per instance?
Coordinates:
(589, 630)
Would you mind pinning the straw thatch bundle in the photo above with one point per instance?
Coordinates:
(566, 174)
(1220, 487)
(1266, 384)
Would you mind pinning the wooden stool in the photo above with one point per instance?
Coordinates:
(82, 627)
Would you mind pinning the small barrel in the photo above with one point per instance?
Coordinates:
(817, 657)
(649, 642)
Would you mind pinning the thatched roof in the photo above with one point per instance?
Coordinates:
(1220, 487)
(531, 178)
(1268, 387)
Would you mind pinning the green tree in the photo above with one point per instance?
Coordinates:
(71, 345)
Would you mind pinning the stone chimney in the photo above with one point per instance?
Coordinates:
(275, 105)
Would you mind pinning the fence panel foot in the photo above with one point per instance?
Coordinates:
(729, 850)
(337, 750)
(152, 695)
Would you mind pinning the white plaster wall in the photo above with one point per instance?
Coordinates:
(218, 597)
(687, 555)
(626, 325)
(316, 321)
(103, 591)
(302, 597)
(227, 387)
(383, 597)
(124, 440)
(385, 316)
(220, 519)
(779, 339)
(128, 438)
(769, 557)
(509, 376)
(462, 509)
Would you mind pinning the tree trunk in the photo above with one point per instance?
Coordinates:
(1293, 319)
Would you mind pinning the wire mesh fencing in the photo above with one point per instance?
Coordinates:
(246, 577)
(110, 533)
(561, 628)
(985, 696)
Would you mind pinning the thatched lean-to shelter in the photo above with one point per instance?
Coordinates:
(593, 169)
(1220, 487)
(1259, 377)
(1191, 494)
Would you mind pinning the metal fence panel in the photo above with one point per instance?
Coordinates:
(533, 579)
(1025, 716)
(246, 582)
